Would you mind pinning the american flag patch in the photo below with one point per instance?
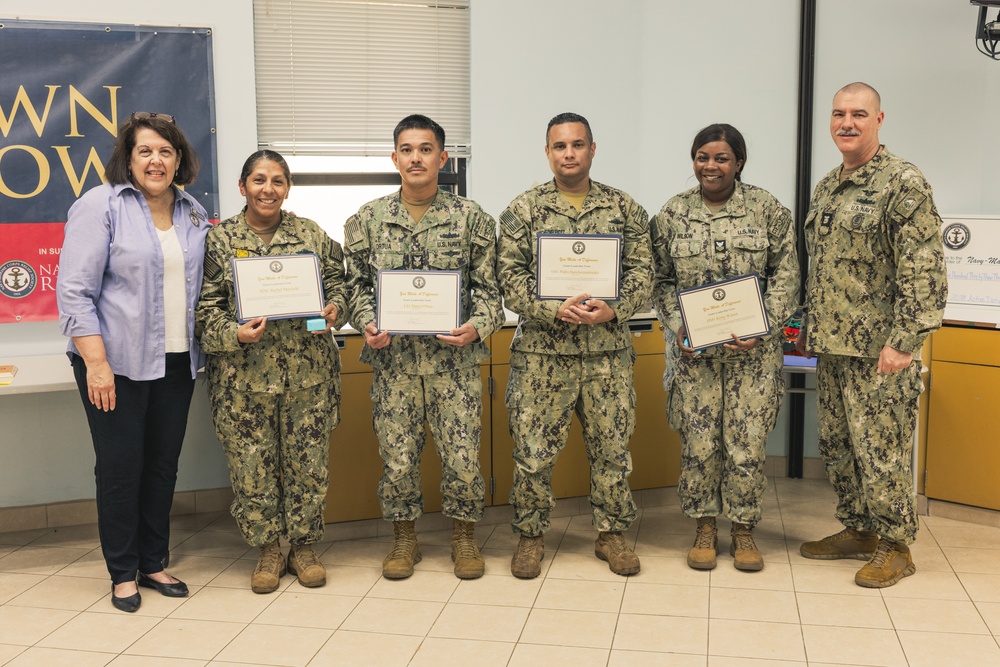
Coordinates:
(510, 224)
(352, 232)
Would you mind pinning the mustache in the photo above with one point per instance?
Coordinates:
(848, 133)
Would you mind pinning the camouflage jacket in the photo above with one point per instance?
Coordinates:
(455, 234)
(877, 275)
(753, 233)
(287, 355)
(542, 209)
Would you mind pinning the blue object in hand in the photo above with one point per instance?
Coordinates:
(316, 324)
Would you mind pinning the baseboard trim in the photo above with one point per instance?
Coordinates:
(76, 512)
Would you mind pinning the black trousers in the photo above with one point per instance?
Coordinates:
(137, 446)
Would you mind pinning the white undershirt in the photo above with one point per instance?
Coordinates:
(175, 323)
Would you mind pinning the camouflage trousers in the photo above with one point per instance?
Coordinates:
(543, 393)
(723, 403)
(866, 423)
(452, 405)
(278, 449)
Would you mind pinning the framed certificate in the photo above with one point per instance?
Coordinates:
(571, 264)
(713, 312)
(418, 302)
(277, 287)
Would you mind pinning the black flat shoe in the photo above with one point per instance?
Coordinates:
(178, 590)
(129, 603)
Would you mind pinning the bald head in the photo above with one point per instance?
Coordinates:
(862, 88)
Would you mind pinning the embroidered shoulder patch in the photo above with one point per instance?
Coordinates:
(510, 223)
(211, 268)
(352, 232)
(910, 202)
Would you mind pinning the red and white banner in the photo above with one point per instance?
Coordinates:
(65, 88)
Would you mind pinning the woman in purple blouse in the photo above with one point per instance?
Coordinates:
(129, 277)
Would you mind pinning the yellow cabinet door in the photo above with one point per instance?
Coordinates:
(963, 434)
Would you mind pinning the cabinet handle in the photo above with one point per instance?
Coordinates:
(341, 341)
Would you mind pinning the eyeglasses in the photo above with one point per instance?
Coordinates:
(146, 115)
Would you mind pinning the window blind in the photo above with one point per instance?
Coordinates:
(335, 76)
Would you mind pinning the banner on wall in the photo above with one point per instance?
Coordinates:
(64, 90)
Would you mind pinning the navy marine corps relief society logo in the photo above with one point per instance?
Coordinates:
(956, 236)
(17, 279)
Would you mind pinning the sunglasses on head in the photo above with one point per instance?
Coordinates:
(146, 115)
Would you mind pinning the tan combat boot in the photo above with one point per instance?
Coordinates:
(303, 563)
(744, 551)
(848, 543)
(270, 569)
(891, 562)
(611, 547)
(706, 545)
(527, 560)
(469, 563)
(405, 552)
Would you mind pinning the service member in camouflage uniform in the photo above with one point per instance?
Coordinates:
(877, 288)
(274, 386)
(572, 356)
(426, 378)
(724, 400)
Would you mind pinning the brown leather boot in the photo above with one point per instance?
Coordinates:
(744, 551)
(611, 547)
(527, 560)
(891, 562)
(303, 563)
(469, 563)
(270, 569)
(405, 552)
(706, 545)
(848, 543)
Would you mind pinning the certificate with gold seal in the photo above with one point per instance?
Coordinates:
(571, 264)
(713, 313)
(418, 302)
(277, 286)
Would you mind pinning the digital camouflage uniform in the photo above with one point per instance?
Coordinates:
(276, 402)
(418, 378)
(557, 368)
(724, 402)
(877, 278)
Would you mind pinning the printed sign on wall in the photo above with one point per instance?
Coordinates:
(65, 88)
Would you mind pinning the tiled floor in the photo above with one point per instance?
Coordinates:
(55, 608)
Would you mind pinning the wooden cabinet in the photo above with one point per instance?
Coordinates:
(963, 421)
(655, 447)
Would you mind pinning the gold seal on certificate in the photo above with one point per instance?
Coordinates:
(279, 286)
(418, 302)
(713, 313)
(571, 264)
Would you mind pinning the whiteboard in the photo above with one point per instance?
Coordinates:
(972, 257)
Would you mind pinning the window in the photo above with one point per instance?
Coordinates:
(335, 76)
(329, 190)
(333, 79)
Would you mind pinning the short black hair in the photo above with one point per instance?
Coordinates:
(569, 117)
(118, 170)
(418, 122)
(723, 132)
(264, 154)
